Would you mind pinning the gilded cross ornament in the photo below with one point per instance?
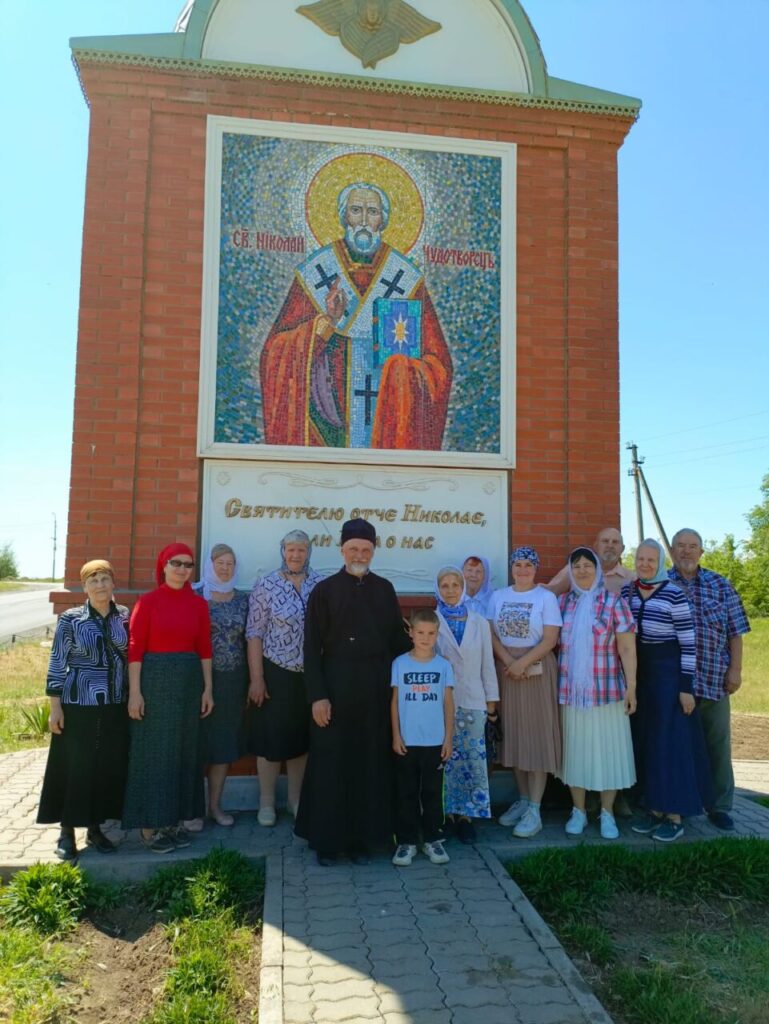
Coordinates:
(370, 29)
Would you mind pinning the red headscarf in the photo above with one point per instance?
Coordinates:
(171, 551)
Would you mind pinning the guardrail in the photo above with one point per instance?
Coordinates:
(26, 635)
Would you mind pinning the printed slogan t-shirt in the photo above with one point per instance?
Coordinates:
(518, 618)
(421, 687)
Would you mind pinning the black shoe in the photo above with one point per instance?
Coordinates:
(66, 848)
(325, 860)
(359, 855)
(465, 832)
(722, 821)
(95, 837)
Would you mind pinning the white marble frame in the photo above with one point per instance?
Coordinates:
(217, 126)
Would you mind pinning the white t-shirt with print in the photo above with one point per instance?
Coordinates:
(519, 618)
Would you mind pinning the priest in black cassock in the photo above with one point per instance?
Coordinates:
(353, 631)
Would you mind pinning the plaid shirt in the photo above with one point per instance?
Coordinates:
(718, 616)
(612, 616)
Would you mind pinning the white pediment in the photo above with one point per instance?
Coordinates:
(477, 46)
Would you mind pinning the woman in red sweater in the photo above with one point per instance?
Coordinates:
(169, 691)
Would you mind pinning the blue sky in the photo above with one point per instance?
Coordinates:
(694, 223)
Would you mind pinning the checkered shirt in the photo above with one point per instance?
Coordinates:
(612, 616)
(718, 616)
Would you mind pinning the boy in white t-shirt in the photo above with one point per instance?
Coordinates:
(422, 713)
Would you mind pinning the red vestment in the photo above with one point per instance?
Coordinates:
(413, 394)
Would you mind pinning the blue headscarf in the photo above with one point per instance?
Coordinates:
(661, 574)
(524, 553)
(454, 614)
(479, 602)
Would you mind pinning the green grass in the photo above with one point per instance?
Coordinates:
(753, 695)
(211, 906)
(23, 668)
(207, 903)
(50, 898)
(33, 973)
(700, 955)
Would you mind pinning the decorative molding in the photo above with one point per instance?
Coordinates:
(324, 78)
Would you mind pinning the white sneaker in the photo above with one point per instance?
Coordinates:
(266, 816)
(577, 823)
(435, 852)
(404, 855)
(514, 813)
(609, 828)
(529, 825)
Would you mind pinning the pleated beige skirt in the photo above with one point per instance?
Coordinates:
(531, 727)
(597, 747)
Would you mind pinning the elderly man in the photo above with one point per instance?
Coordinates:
(347, 387)
(353, 631)
(609, 547)
(720, 623)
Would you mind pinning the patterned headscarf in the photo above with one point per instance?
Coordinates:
(524, 553)
(661, 574)
(295, 537)
(94, 566)
(169, 552)
(209, 583)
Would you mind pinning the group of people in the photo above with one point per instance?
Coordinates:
(389, 729)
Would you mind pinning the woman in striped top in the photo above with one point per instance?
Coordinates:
(671, 761)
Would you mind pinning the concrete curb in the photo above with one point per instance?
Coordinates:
(547, 942)
(271, 971)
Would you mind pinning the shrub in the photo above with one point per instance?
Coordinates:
(223, 879)
(47, 897)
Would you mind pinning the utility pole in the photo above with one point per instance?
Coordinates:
(53, 566)
(635, 472)
(655, 514)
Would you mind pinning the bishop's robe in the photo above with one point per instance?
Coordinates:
(319, 387)
(353, 630)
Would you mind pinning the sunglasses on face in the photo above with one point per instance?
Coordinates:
(180, 565)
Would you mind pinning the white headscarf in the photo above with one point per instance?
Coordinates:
(209, 583)
(580, 665)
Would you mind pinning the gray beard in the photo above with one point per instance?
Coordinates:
(362, 241)
(357, 569)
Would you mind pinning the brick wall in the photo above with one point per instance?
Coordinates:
(135, 474)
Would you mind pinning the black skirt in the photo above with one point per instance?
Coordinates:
(222, 733)
(165, 770)
(86, 770)
(280, 729)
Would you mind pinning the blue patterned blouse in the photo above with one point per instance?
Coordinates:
(88, 657)
(276, 615)
(228, 631)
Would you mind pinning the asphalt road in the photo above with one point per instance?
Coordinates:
(27, 609)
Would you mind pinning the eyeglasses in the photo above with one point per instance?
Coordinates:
(181, 565)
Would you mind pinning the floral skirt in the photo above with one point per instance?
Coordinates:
(466, 778)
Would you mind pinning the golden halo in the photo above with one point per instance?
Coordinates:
(406, 208)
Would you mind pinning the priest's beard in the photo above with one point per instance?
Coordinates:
(357, 568)
(362, 241)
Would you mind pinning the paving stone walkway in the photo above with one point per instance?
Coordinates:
(425, 944)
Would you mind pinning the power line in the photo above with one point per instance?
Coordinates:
(704, 458)
(706, 447)
(704, 426)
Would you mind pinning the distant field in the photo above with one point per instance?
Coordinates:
(753, 697)
(22, 685)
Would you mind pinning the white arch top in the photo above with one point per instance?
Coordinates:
(478, 45)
